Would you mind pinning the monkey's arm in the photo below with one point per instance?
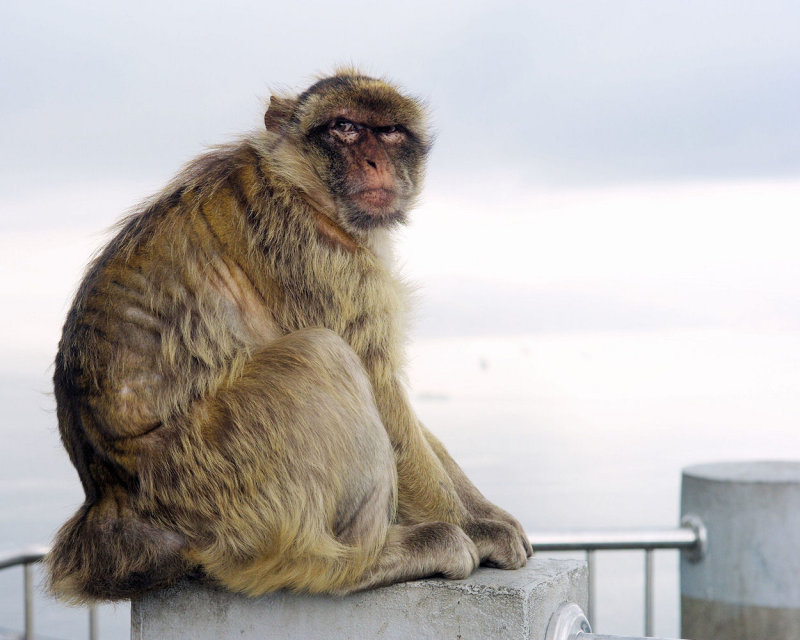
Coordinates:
(474, 501)
(431, 486)
(425, 490)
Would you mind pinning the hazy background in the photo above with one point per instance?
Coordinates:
(606, 251)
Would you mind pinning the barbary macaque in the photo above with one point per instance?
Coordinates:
(228, 381)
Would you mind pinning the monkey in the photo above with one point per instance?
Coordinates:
(229, 381)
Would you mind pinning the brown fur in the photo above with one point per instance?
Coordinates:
(228, 380)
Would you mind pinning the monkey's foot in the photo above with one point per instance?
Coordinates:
(499, 543)
(420, 551)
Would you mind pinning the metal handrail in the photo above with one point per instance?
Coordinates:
(27, 557)
(681, 538)
(690, 538)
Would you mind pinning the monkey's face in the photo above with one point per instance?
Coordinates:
(373, 168)
(365, 140)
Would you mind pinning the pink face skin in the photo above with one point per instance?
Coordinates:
(373, 186)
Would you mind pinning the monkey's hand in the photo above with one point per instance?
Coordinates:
(485, 510)
(501, 543)
(501, 540)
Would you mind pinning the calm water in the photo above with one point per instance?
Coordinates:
(567, 431)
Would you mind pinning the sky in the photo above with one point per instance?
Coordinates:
(583, 92)
(599, 165)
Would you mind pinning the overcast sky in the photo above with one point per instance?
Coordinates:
(598, 163)
(580, 92)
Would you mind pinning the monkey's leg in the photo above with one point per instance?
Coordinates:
(286, 479)
(418, 551)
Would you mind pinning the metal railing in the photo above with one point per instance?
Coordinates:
(27, 558)
(690, 538)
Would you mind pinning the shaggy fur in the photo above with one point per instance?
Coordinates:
(228, 379)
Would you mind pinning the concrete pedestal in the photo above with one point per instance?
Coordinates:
(501, 605)
(747, 587)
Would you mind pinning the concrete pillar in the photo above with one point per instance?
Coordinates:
(747, 586)
(501, 605)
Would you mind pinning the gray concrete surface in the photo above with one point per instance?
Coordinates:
(500, 605)
(748, 586)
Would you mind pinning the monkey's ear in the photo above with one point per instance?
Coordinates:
(279, 112)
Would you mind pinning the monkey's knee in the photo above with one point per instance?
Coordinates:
(322, 346)
(323, 379)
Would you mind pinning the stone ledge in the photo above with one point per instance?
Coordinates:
(491, 603)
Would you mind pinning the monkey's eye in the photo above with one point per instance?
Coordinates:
(344, 126)
(345, 130)
(391, 133)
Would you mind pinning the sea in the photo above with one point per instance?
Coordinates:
(569, 431)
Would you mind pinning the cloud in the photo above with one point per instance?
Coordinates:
(579, 92)
(598, 92)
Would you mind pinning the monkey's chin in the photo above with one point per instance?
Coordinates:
(373, 209)
(364, 220)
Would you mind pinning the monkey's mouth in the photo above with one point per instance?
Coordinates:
(374, 208)
(375, 201)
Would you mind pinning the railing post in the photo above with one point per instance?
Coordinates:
(648, 592)
(28, 589)
(93, 630)
(592, 580)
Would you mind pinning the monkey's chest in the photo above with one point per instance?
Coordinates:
(364, 307)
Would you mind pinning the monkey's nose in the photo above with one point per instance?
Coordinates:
(372, 163)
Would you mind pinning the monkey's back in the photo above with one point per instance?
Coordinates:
(224, 261)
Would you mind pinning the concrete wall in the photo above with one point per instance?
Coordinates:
(501, 605)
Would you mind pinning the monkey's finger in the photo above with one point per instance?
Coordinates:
(499, 543)
(527, 545)
(523, 536)
(507, 556)
(461, 558)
